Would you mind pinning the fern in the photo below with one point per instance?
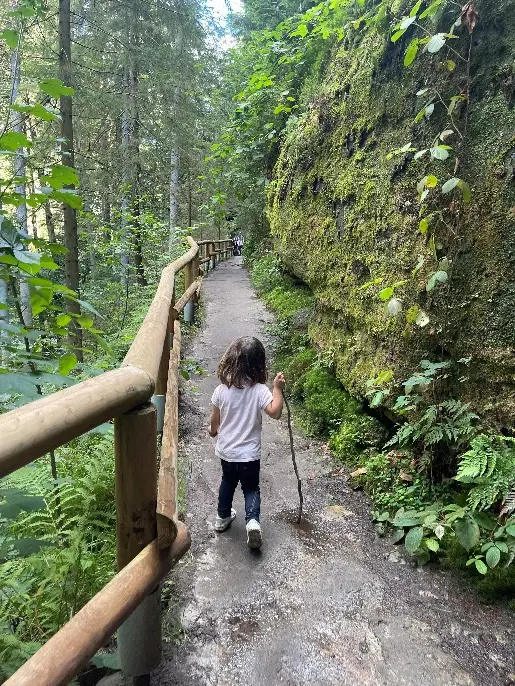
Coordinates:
(39, 593)
(489, 466)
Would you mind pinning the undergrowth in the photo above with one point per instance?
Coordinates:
(441, 485)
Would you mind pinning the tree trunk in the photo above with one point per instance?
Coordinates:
(126, 177)
(20, 170)
(136, 227)
(174, 181)
(71, 265)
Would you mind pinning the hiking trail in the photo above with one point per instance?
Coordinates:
(324, 603)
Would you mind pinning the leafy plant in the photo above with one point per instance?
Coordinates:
(489, 467)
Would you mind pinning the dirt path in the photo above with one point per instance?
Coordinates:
(324, 604)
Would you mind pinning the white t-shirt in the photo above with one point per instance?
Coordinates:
(239, 435)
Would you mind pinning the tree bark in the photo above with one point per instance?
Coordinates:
(20, 170)
(126, 176)
(174, 181)
(71, 266)
(136, 226)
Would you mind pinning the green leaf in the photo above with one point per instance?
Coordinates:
(415, 8)
(10, 37)
(27, 256)
(85, 321)
(411, 52)
(185, 374)
(450, 64)
(510, 529)
(18, 501)
(5, 326)
(433, 545)
(413, 539)
(439, 531)
(439, 153)
(467, 533)
(55, 88)
(431, 181)
(386, 293)
(106, 660)
(66, 363)
(12, 141)
(37, 110)
(436, 43)
(481, 567)
(465, 189)
(60, 176)
(397, 535)
(449, 185)
(428, 111)
(423, 226)
(62, 320)
(68, 197)
(301, 30)
(493, 555)
(407, 22)
(431, 10)
(397, 35)
(420, 153)
(29, 546)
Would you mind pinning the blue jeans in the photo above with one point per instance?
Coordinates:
(247, 474)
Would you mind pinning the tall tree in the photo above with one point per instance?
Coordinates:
(68, 160)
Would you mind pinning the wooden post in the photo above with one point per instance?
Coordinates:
(135, 441)
(189, 310)
(135, 446)
(212, 255)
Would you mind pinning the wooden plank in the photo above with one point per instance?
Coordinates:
(66, 652)
(162, 374)
(135, 452)
(168, 473)
(181, 303)
(43, 425)
(146, 349)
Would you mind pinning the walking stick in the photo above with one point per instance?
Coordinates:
(292, 448)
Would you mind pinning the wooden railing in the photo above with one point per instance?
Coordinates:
(141, 396)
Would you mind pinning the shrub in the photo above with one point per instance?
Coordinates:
(266, 273)
(355, 435)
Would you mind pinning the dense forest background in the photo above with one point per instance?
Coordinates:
(365, 148)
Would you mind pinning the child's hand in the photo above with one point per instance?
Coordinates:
(279, 381)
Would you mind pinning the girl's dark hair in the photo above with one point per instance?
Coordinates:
(243, 363)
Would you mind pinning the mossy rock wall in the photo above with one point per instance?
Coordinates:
(343, 214)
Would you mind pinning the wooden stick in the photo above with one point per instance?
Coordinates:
(69, 649)
(135, 450)
(168, 473)
(294, 460)
(43, 425)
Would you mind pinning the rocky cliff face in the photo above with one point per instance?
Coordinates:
(345, 215)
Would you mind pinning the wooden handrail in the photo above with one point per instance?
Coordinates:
(146, 349)
(167, 481)
(38, 427)
(69, 649)
(32, 430)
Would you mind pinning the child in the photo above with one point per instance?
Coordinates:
(236, 419)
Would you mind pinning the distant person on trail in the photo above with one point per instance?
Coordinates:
(238, 244)
(236, 419)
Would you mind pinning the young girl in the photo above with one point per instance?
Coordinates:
(236, 419)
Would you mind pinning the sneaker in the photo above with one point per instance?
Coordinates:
(221, 524)
(254, 537)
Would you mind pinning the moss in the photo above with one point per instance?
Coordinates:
(342, 214)
(354, 436)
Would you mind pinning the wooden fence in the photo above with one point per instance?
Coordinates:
(150, 538)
